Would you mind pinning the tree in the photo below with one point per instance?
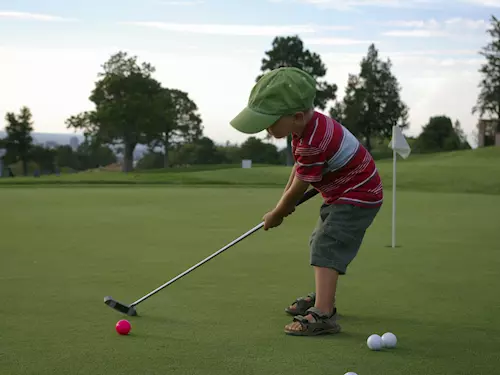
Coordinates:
(440, 135)
(259, 152)
(202, 151)
(93, 155)
(19, 141)
(464, 143)
(151, 160)
(231, 153)
(127, 100)
(372, 104)
(206, 152)
(178, 121)
(488, 101)
(66, 157)
(44, 158)
(290, 52)
(351, 110)
(488, 133)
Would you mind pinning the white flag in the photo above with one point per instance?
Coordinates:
(399, 143)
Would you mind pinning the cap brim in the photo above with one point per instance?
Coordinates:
(251, 122)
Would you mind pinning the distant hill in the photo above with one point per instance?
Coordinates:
(63, 139)
(471, 171)
(59, 138)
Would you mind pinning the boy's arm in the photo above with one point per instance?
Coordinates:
(291, 178)
(291, 196)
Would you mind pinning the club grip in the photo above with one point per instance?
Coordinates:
(307, 195)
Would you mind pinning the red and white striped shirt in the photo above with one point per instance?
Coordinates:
(329, 157)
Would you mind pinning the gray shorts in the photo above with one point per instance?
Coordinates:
(338, 235)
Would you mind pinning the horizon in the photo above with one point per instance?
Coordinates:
(434, 48)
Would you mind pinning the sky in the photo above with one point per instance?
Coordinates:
(51, 51)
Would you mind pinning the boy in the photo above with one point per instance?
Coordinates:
(328, 157)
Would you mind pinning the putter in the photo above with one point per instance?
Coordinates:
(131, 310)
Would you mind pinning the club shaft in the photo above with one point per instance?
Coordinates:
(254, 229)
(308, 195)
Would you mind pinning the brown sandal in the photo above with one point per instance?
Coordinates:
(320, 325)
(301, 305)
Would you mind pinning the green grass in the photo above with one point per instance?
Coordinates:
(62, 250)
(473, 171)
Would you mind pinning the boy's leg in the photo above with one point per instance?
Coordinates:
(322, 317)
(301, 304)
(336, 242)
(326, 286)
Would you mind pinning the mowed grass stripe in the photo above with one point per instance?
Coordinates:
(473, 171)
(63, 250)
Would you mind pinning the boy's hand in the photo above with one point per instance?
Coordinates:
(286, 205)
(290, 211)
(272, 220)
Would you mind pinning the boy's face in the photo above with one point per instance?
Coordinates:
(288, 124)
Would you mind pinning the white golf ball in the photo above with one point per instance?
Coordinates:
(350, 373)
(374, 342)
(389, 340)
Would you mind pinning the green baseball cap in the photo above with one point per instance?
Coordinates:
(280, 92)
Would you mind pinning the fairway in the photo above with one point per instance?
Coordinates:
(64, 248)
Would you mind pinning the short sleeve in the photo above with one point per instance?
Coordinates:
(310, 164)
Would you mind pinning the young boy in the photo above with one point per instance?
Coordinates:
(328, 157)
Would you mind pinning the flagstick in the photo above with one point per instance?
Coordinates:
(394, 156)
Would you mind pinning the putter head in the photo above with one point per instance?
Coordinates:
(121, 307)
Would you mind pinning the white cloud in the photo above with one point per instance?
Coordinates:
(33, 16)
(432, 24)
(183, 3)
(336, 41)
(225, 29)
(486, 3)
(352, 4)
(422, 33)
(433, 81)
(433, 62)
(425, 59)
(432, 52)
(433, 28)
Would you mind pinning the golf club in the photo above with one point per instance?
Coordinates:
(130, 309)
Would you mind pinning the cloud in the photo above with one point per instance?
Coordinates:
(422, 33)
(433, 28)
(336, 41)
(430, 81)
(245, 30)
(34, 16)
(459, 23)
(352, 4)
(182, 3)
(485, 3)
(433, 52)
(411, 62)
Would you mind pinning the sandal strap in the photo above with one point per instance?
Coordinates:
(317, 314)
(311, 296)
(302, 302)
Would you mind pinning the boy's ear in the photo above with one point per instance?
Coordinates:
(299, 116)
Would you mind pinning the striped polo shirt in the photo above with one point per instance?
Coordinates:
(329, 157)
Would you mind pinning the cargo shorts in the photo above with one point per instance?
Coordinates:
(339, 232)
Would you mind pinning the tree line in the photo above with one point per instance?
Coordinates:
(132, 107)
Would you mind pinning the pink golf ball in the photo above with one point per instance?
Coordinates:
(123, 327)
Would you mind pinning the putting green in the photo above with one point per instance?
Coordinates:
(64, 249)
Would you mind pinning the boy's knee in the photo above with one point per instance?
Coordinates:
(317, 261)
